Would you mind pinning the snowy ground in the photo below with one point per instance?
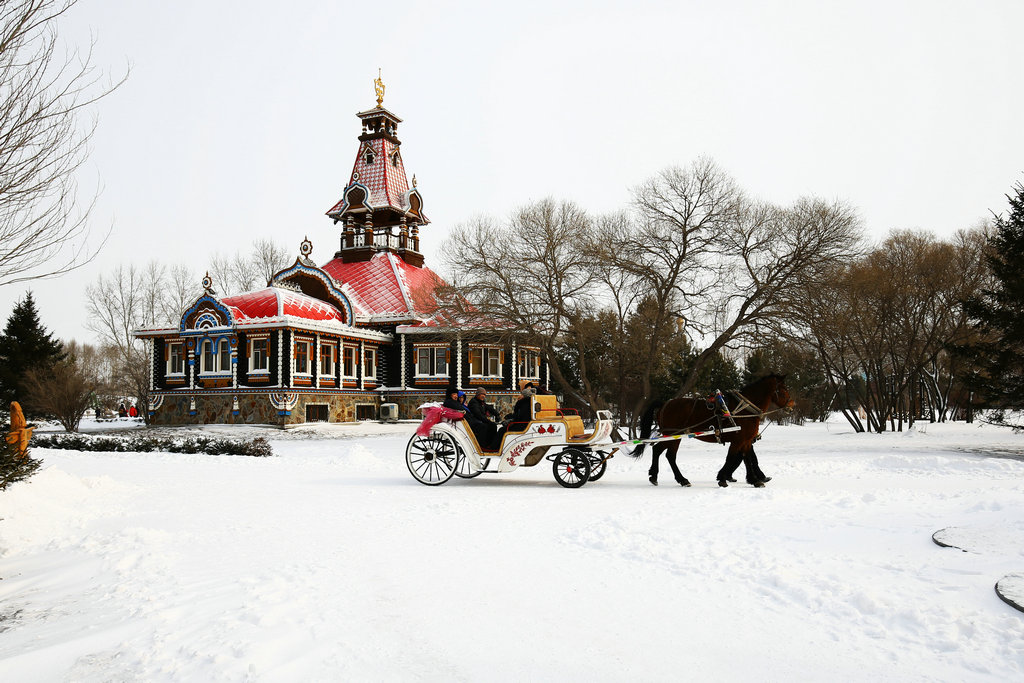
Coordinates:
(330, 562)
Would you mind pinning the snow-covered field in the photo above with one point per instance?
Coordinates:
(329, 562)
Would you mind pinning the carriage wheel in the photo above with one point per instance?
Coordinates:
(465, 470)
(432, 459)
(571, 468)
(598, 465)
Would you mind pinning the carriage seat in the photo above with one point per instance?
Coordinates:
(546, 408)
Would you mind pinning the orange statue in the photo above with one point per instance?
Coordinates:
(19, 434)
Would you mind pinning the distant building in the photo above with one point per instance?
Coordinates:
(332, 342)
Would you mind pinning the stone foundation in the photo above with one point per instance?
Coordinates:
(255, 407)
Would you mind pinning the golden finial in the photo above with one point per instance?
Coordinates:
(378, 86)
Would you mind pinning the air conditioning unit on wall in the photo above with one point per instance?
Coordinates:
(389, 412)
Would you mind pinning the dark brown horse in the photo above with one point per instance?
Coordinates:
(686, 415)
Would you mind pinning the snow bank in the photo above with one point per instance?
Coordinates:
(330, 562)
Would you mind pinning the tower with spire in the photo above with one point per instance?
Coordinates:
(379, 209)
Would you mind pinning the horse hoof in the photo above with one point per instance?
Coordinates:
(723, 483)
(653, 480)
(684, 482)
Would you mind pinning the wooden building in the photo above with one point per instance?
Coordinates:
(332, 342)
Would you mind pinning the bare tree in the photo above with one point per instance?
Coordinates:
(44, 230)
(245, 272)
(695, 258)
(269, 257)
(716, 266)
(181, 290)
(220, 270)
(120, 303)
(530, 277)
(882, 323)
(66, 390)
(669, 251)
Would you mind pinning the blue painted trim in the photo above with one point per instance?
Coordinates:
(206, 298)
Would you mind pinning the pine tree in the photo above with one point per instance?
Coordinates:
(14, 466)
(24, 345)
(998, 315)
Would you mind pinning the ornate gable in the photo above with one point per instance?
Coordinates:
(204, 314)
(314, 282)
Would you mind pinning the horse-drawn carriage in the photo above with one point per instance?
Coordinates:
(553, 434)
(449, 447)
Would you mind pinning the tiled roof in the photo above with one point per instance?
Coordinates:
(386, 285)
(274, 302)
(384, 178)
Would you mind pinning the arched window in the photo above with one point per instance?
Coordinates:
(216, 356)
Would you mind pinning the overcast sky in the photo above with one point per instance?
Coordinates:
(238, 120)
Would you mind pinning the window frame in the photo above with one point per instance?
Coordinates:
(369, 368)
(308, 347)
(349, 354)
(433, 352)
(253, 369)
(487, 354)
(524, 354)
(171, 347)
(329, 353)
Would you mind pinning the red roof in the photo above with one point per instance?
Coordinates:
(274, 302)
(386, 285)
(384, 178)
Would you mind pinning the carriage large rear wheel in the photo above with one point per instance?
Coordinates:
(432, 459)
(571, 468)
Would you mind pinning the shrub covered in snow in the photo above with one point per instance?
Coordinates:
(258, 447)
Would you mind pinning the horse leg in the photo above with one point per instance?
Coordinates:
(732, 460)
(670, 455)
(652, 474)
(754, 474)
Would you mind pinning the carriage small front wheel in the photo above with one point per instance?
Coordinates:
(571, 468)
(465, 469)
(598, 465)
(432, 459)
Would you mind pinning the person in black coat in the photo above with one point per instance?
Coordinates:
(484, 434)
(522, 412)
(483, 413)
(453, 401)
(523, 409)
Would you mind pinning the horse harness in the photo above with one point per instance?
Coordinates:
(743, 404)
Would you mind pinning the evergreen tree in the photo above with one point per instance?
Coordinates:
(14, 466)
(24, 345)
(998, 315)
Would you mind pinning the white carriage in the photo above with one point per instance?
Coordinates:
(554, 434)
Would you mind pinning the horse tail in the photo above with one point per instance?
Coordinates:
(646, 425)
